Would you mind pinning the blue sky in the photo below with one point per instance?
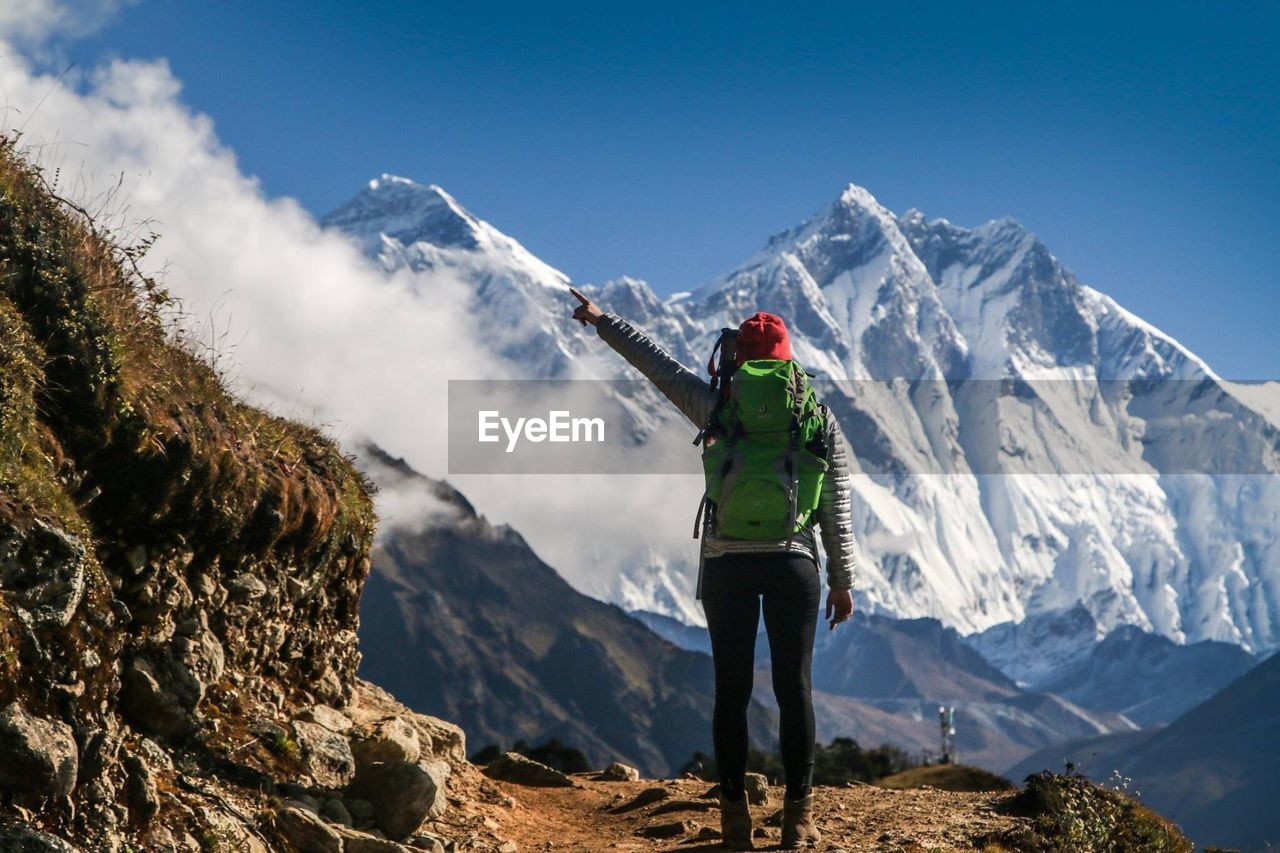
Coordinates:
(667, 141)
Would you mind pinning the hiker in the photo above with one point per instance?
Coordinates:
(775, 464)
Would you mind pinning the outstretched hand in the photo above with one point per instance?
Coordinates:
(839, 607)
(588, 311)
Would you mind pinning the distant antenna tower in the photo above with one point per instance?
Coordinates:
(947, 728)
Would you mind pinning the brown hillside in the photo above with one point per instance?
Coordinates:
(946, 777)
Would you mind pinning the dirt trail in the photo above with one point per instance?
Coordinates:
(587, 818)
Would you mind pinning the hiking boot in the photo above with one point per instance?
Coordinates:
(735, 824)
(798, 828)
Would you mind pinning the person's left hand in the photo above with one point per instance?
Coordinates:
(839, 607)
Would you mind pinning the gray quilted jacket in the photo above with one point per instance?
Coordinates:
(696, 399)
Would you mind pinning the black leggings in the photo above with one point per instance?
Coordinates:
(732, 589)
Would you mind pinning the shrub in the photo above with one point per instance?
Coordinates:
(1072, 813)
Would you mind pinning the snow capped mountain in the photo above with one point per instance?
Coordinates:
(1002, 470)
(413, 228)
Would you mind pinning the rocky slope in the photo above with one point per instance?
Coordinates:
(461, 619)
(180, 577)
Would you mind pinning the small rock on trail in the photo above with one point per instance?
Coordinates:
(516, 768)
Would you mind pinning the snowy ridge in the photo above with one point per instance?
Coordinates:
(974, 509)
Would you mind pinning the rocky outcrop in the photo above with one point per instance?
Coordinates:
(20, 838)
(619, 772)
(390, 740)
(306, 832)
(37, 756)
(514, 767)
(326, 754)
(403, 794)
(180, 577)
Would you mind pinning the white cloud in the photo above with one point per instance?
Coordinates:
(315, 327)
(33, 22)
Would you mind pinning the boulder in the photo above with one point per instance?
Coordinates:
(17, 838)
(161, 689)
(440, 739)
(232, 833)
(669, 829)
(245, 588)
(425, 841)
(292, 790)
(159, 695)
(388, 741)
(37, 756)
(304, 832)
(402, 795)
(647, 797)
(325, 753)
(354, 841)
(361, 810)
(153, 754)
(757, 788)
(324, 715)
(514, 767)
(41, 570)
(619, 772)
(334, 811)
(202, 655)
(140, 791)
(101, 750)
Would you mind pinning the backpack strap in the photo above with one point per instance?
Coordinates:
(793, 479)
(698, 519)
(721, 372)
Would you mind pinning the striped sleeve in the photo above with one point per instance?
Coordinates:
(835, 510)
(691, 394)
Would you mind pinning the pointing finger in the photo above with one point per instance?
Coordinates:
(584, 300)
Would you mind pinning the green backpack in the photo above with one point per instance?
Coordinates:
(763, 453)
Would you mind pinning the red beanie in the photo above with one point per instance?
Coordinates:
(763, 336)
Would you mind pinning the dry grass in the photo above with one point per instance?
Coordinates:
(947, 777)
(120, 431)
(87, 347)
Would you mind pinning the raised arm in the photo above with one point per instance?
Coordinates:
(691, 394)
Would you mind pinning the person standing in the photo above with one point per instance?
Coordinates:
(776, 466)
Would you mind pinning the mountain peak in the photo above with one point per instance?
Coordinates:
(387, 179)
(1004, 227)
(855, 196)
(388, 186)
(852, 211)
(408, 211)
